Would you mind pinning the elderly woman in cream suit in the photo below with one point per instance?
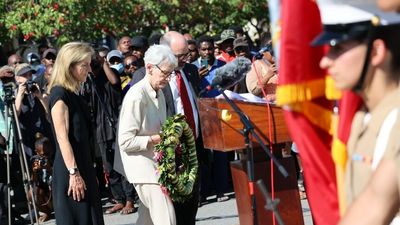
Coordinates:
(142, 113)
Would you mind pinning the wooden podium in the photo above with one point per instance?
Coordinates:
(225, 136)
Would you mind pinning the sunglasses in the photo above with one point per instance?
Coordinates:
(135, 63)
(137, 49)
(50, 57)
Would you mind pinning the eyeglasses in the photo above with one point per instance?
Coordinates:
(183, 55)
(167, 75)
(17, 62)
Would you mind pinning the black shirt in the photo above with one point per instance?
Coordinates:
(108, 100)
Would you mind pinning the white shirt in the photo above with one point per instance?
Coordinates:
(177, 98)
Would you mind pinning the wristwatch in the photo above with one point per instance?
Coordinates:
(72, 171)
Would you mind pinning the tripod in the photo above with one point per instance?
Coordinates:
(11, 114)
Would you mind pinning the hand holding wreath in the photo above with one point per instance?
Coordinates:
(176, 158)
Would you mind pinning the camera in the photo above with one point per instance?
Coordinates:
(8, 89)
(42, 161)
(31, 86)
(267, 48)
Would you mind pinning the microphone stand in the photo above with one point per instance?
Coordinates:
(249, 129)
(270, 204)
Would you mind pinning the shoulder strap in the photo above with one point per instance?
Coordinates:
(383, 137)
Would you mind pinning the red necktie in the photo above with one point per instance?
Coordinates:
(187, 106)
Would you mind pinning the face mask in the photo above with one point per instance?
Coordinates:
(119, 67)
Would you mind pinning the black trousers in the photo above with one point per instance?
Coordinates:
(220, 171)
(121, 189)
(3, 201)
(186, 212)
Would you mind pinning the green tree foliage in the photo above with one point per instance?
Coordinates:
(67, 20)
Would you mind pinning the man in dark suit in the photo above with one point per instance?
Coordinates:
(186, 74)
(185, 212)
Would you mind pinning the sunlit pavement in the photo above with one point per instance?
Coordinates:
(212, 213)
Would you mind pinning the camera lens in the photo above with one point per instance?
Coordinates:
(31, 87)
(42, 162)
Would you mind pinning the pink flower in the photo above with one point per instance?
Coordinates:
(158, 156)
(164, 190)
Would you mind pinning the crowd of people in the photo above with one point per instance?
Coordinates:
(79, 104)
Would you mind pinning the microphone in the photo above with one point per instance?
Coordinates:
(230, 74)
(260, 53)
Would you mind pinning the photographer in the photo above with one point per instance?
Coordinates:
(7, 89)
(6, 75)
(6, 78)
(31, 108)
(42, 171)
(263, 75)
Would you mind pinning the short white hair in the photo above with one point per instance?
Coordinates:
(160, 54)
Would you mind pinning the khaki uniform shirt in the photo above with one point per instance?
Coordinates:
(363, 139)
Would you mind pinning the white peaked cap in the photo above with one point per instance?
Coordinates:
(353, 11)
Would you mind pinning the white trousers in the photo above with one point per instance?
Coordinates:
(155, 208)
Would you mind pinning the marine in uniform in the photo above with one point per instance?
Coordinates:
(364, 57)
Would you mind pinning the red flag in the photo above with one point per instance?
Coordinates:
(350, 103)
(348, 106)
(301, 90)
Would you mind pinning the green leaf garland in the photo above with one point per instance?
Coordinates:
(176, 158)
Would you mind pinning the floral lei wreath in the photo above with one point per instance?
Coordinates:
(176, 159)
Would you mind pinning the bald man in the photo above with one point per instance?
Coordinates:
(14, 60)
(185, 212)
